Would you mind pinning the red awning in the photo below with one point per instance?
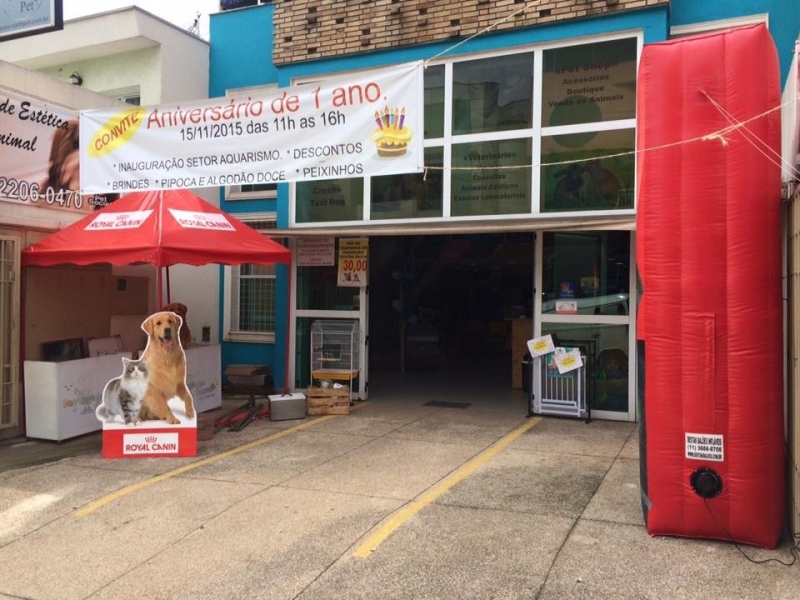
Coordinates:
(160, 228)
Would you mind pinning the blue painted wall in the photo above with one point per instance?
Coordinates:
(241, 56)
(784, 19)
(241, 49)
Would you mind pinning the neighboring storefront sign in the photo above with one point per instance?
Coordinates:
(22, 18)
(39, 156)
(353, 262)
(315, 252)
(368, 123)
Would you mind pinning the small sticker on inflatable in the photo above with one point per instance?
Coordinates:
(704, 446)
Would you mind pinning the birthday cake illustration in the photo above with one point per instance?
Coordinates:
(392, 136)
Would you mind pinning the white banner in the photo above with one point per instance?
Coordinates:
(367, 123)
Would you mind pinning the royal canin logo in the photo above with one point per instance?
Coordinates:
(162, 443)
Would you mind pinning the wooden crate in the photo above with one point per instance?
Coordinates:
(328, 401)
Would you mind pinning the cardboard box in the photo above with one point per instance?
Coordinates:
(248, 374)
(328, 401)
(283, 407)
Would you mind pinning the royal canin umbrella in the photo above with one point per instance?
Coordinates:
(159, 228)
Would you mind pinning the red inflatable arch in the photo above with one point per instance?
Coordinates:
(709, 258)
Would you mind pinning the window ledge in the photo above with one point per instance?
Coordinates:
(250, 337)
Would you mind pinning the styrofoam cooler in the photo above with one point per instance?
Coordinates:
(283, 407)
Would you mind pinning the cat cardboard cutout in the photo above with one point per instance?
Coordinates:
(148, 410)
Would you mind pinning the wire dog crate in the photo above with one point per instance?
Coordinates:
(557, 394)
(334, 352)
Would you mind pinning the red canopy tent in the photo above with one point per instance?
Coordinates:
(160, 228)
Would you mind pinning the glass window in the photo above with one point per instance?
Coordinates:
(318, 289)
(589, 83)
(590, 269)
(584, 168)
(598, 184)
(434, 102)
(254, 309)
(330, 200)
(409, 195)
(252, 301)
(251, 191)
(493, 94)
(478, 189)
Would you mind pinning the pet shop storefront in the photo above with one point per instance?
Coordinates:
(538, 143)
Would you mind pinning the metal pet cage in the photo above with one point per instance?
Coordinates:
(334, 352)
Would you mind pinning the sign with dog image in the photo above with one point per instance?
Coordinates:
(148, 410)
(356, 125)
(39, 157)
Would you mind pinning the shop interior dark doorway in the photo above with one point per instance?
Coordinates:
(440, 314)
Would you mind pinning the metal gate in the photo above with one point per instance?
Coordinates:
(9, 332)
(557, 394)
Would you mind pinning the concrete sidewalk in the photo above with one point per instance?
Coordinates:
(391, 501)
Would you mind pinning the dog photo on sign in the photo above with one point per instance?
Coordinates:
(166, 364)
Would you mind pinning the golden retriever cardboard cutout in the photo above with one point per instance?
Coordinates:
(166, 364)
(151, 396)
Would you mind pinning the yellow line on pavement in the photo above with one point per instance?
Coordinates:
(413, 507)
(93, 506)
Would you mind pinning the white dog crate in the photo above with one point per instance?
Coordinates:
(334, 352)
(557, 394)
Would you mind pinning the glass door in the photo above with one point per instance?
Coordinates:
(586, 278)
(317, 295)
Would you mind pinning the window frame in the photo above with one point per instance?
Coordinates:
(229, 333)
(536, 132)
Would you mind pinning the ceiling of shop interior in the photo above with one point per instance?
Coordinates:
(511, 251)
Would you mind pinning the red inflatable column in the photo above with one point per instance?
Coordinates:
(709, 255)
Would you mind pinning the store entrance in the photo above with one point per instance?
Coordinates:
(441, 310)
